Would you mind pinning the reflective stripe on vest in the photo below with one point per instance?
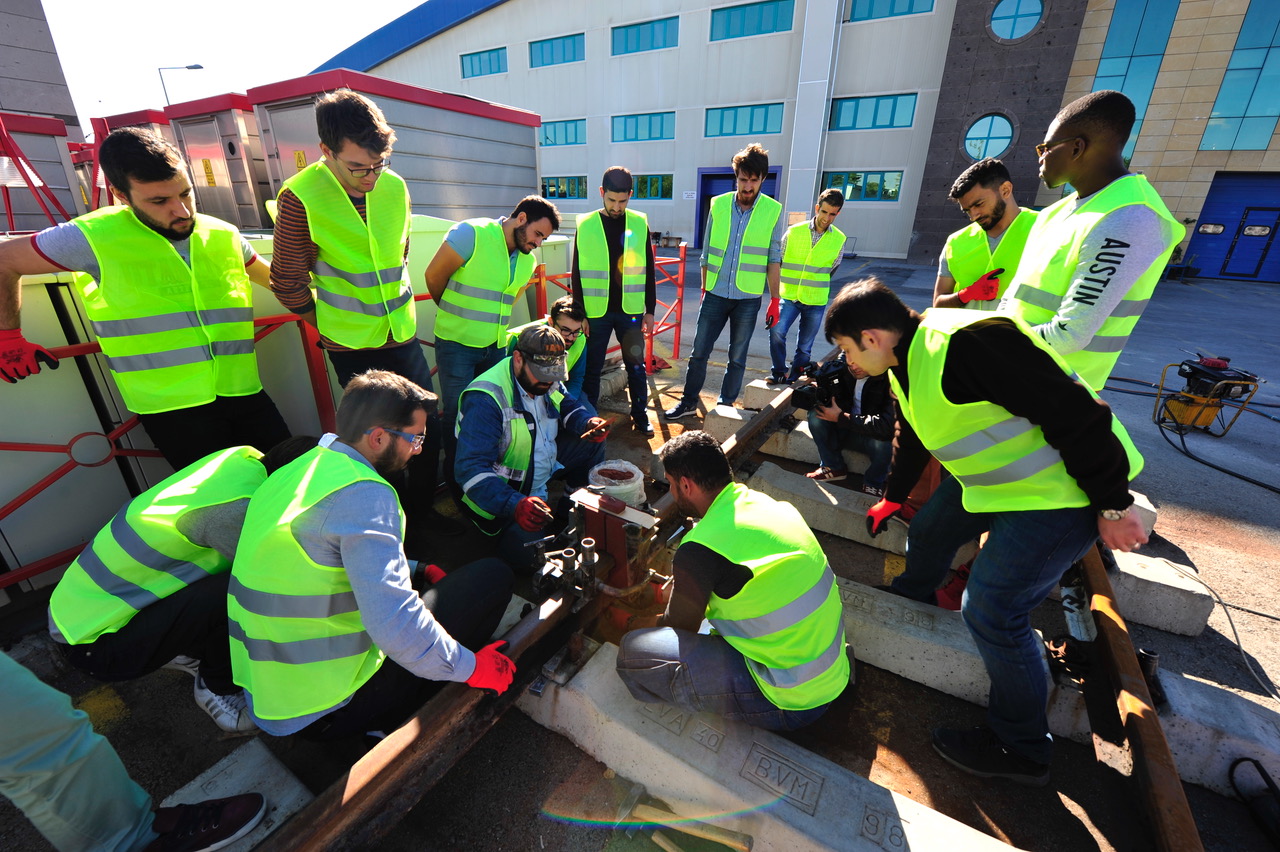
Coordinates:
(363, 292)
(753, 254)
(1003, 461)
(1050, 262)
(593, 263)
(787, 621)
(298, 643)
(174, 336)
(140, 557)
(806, 265)
(969, 256)
(476, 306)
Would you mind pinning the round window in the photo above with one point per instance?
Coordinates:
(989, 136)
(1013, 19)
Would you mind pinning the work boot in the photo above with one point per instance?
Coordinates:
(980, 752)
(228, 712)
(206, 825)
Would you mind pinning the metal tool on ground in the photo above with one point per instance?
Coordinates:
(635, 814)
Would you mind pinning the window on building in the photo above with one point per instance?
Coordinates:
(571, 132)
(644, 127)
(864, 186)
(652, 186)
(1013, 19)
(772, 16)
(564, 187)
(557, 51)
(1132, 53)
(1248, 105)
(485, 62)
(989, 136)
(872, 113)
(744, 120)
(866, 10)
(651, 35)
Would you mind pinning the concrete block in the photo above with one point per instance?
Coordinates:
(613, 381)
(1153, 592)
(759, 394)
(723, 420)
(748, 780)
(1145, 510)
(250, 768)
(825, 507)
(798, 444)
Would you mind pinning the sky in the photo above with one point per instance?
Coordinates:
(110, 50)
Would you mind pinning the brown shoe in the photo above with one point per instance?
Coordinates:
(207, 825)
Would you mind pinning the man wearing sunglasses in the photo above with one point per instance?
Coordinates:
(342, 226)
(570, 321)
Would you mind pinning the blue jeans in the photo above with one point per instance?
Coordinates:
(810, 321)
(698, 672)
(740, 314)
(456, 367)
(1025, 556)
(629, 329)
(831, 439)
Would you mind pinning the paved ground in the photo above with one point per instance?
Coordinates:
(524, 788)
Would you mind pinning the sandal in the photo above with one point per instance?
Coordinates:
(826, 474)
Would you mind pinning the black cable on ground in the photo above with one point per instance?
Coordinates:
(1181, 432)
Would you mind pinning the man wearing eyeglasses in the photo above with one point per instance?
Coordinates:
(342, 226)
(1093, 259)
(328, 637)
(566, 318)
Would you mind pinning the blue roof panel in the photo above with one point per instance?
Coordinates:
(409, 30)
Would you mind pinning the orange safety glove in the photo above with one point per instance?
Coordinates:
(494, 670)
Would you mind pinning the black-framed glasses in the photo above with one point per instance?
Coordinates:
(569, 333)
(1045, 147)
(367, 170)
(415, 440)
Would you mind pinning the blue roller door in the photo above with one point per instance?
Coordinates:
(1235, 234)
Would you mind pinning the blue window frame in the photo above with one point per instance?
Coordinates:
(570, 132)
(872, 113)
(744, 120)
(865, 186)
(644, 127)
(771, 16)
(564, 187)
(1132, 53)
(650, 35)
(989, 136)
(1248, 105)
(652, 186)
(867, 10)
(484, 62)
(557, 51)
(1012, 19)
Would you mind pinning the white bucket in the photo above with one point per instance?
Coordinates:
(627, 483)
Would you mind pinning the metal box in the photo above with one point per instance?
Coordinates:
(219, 138)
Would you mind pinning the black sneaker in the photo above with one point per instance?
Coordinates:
(680, 409)
(778, 379)
(980, 752)
(643, 426)
(208, 825)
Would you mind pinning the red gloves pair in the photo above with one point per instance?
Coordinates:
(532, 514)
(984, 289)
(18, 356)
(494, 670)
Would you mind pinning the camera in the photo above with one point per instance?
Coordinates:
(827, 382)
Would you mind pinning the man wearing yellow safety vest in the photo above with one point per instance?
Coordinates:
(1093, 259)
(977, 258)
(150, 590)
(516, 430)
(1038, 462)
(167, 291)
(328, 637)
(568, 319)
(741, 254)
(811, 251)
(751, 567)
(615, 288)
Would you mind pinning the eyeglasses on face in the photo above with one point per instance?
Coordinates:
(1045, 147)
(568, 333)
(415, 440)
(367, 170)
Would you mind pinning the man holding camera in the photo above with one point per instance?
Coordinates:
(849, 409)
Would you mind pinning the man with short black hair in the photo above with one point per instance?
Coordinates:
(615, 288)
(169, 294)
(975, 259)
(567, 318)
(1093, 259)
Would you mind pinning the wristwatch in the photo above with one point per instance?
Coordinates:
(1113, 514)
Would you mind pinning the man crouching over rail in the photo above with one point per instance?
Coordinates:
(752, 567)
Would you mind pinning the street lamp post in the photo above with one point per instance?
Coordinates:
(161, 71)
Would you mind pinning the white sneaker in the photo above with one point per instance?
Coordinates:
(183, 663)
(228, 712)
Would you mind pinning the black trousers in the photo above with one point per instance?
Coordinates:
(187, 435)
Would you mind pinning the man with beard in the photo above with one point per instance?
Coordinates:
(320, 592)
(515, 430)
(751, 567)
(613, 284)
(743, 253)
(976, 257)
(168, 291)
(474, 278)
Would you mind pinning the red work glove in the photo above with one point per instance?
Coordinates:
(18, 357)
(982, 290)
(532, 514)
(879, 514)
(494, 670)
(771, 315)
(433, 573)
(597, 430)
